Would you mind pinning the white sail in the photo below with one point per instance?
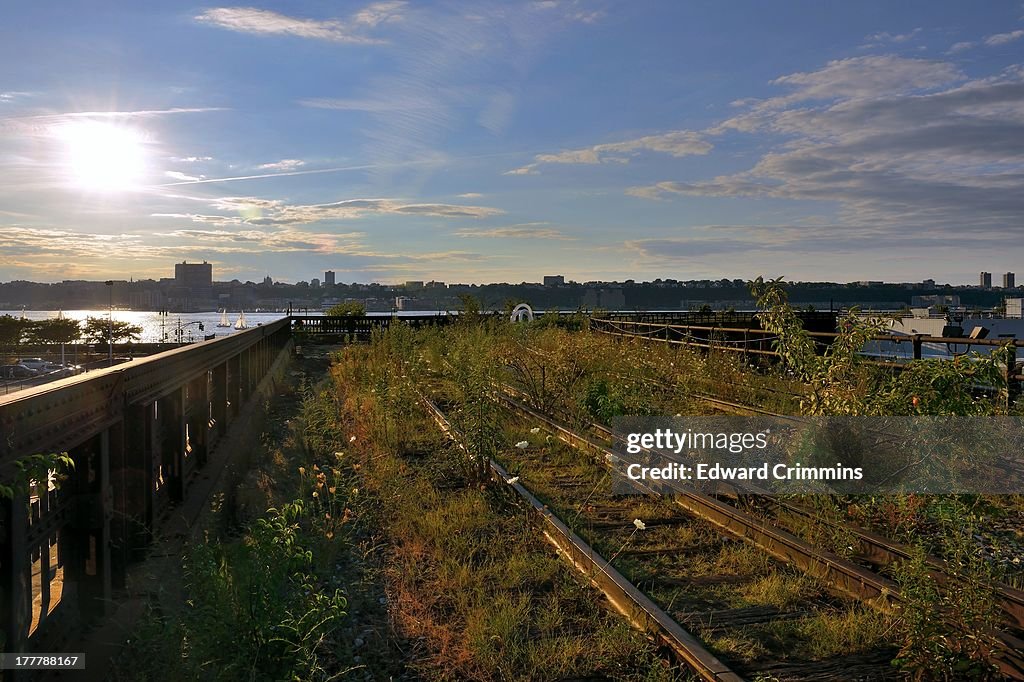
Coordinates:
(224, 321)
(240, 322)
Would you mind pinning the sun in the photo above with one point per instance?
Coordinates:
(103, 157)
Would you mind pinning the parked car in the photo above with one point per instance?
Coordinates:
(37, 364)
(17, 372)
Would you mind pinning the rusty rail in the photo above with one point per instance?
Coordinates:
(643, 613)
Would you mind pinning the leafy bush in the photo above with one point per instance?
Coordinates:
(346, 309)
(256, 607)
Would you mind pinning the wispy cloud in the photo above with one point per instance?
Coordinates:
(887, 38)
(676, 143)
(283, 164)
(896, 141)
(961, 46)
(178, 175)
(523, 231)
(573, 10)
(267, 22)
(259, 211)
(42, 124)
(1003, 38)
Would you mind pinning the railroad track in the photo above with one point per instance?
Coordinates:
(716, 529)
(842, 575)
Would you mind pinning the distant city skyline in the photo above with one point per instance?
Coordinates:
(486, 141)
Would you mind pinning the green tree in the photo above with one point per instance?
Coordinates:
(54, 331)
(12, 329)
(469, 309)
(98, 329)
(347, 309)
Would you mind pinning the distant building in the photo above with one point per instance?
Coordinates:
(554, 280)
(609, 299)
(928, 283)
(985, 281)
(1009, 281)
(402, 302)
(414, 284)
(948, 300)
(193, 275)
(1013, 308)
(192, 281)
(268, 281)
(329, 278)
(315, 283)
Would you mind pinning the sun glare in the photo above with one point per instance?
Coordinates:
(103, 157)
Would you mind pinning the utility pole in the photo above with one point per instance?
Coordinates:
(110, 324)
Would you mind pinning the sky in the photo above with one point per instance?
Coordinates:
(485, 141)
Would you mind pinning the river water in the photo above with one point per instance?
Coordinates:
(158, 327)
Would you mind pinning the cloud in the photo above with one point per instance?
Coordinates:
(342, 104)
(37, 125)
(178, 175)
(283, 164)
(572, 10)
(887, 38)
(817, 239)
(961, 46)
(677, 143)
(910, 144)
(470, 195)
(12, 95)
(523, 231)
(264, 212)
(267, 22)
(1003, 38)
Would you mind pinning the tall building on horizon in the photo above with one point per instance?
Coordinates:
(986, 280)
(329, 278)
(193, 280)
(193, 275)
(1009, 281)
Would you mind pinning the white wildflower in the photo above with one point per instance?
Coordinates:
(513, 480)
(535, 430)
(612, 459)
(351, 439)
(640, 525)
(523, 444)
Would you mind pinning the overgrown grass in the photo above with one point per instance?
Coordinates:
(476, 590)
(278, 588)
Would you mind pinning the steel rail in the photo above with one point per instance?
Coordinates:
(842, 575)
(873, 547)
(895, 338)
(641, 611)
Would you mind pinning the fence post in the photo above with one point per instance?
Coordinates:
(1012, 384)
(917, 346)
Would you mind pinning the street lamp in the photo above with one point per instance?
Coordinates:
(110, 324)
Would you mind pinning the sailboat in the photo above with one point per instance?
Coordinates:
(224, 321)
(240, 322)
